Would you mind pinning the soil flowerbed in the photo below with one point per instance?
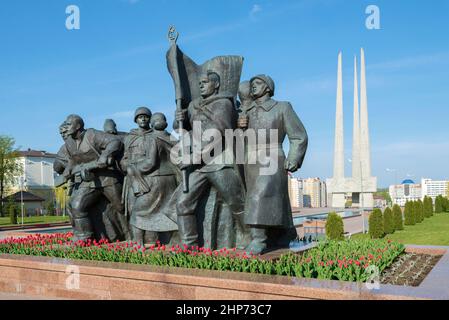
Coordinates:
(409, 269)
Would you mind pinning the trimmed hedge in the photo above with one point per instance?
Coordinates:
(397, 217)
(334, 227)
(409, 215)
(376, 225)
(438, 204)
(428, 207)
(388, 221)
(419, 216)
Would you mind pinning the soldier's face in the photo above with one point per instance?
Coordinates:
(63, 132)
(110, 128)
(258, 88)
(207, 87)
(72, 127)
(143, 121)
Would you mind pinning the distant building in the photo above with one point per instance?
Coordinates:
(32, 204)
(434, 188)
(307, 193)
(406, 191)
(315, 192)
(295, 192)
(38, 175)
(379, 201)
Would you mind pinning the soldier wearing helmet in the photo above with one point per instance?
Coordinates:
(267, 207)
(150, 181)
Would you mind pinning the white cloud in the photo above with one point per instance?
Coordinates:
(411, 62)
(254, 10)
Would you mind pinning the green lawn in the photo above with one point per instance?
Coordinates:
(5, 221)
(432, 231)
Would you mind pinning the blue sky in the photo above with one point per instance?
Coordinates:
(116, 62)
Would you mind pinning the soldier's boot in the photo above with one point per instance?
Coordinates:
(151, 237)
(125, 226)
(258, 242)
(138, 235)
(286, 236)
(82, 229)
(243, 234)
(188, 230)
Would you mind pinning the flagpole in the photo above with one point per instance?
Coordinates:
(173, 37)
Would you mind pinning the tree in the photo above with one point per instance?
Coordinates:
(385, 194)
(12, 209)
(397, 217)
(428, 207)
(10, 168)
(409, 217)
(50, 208)
(334, 227)
(61, 197)
(12, 214)
(388, 221)
(444, 204)
(419, 207)
(376, 225)
(438, 204)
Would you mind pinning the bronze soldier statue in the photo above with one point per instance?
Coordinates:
(211, 111)
(110, 127)
(150, 178)
(62, 157)
(59, 166)
(91, 155)
(267, 208)
(110, 217)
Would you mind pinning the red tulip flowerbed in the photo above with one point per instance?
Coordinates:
(335, 260)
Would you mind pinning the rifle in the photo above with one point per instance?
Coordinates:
(80, 172)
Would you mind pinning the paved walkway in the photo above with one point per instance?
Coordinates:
(352, 225)
(12, 296)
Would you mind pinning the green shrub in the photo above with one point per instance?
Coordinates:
(438, 204)
(428, 207)
(50, 207)
(419, 214)
(409, 217)
(12, 214)
(388, 221)
(445, 204)
(397, 217)
(376, 225)
(334, 227)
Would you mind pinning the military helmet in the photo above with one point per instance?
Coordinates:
(267, 80)
(140, 111)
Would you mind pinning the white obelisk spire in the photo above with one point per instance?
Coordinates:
(339, 157)
(364, 130)
(356, 174)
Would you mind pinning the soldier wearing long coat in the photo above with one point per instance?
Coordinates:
(267, 207)
(150, 180)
